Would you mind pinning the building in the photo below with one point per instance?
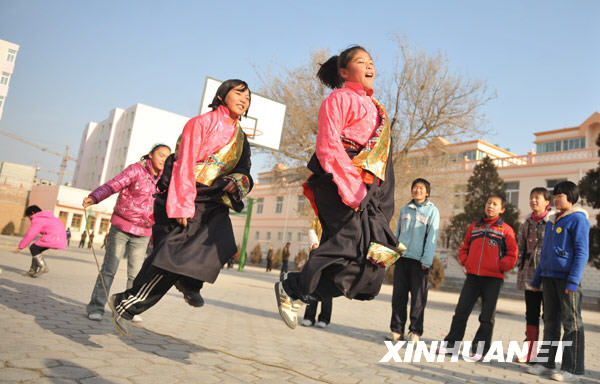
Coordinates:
(65, 203)
(126, 135)
(17, 175)
(8, 55)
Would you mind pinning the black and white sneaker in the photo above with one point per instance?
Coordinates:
(121, 325)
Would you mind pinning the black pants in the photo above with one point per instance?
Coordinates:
(533, 307)
(325, 315)
(564, 309)
(36, 249)
(284, 267)
(147, 290)
(488, 288)
(409, 277)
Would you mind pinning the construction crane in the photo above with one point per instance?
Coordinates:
(64, 156)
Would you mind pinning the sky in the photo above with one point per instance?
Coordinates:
(79, 60)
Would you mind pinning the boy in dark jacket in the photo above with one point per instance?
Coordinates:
(488, 250)
(564, 255)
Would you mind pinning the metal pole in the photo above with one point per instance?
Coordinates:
(246, 231)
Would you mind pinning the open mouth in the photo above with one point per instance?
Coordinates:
(369, 75)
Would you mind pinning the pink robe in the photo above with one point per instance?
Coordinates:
(348, 112)
(202, 136)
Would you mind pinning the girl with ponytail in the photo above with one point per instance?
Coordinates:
(351, 191)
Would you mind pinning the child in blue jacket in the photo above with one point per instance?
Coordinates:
(564, 255)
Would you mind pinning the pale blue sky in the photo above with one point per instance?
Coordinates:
(79, 60)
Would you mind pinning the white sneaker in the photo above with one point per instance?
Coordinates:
(539, 370)
(565, 376)
(445, 350)
(413, 337)
(137, 319)
(306, 323)
(288, 308)
(321, 324)
(95, 316)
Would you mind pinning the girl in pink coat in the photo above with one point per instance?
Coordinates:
(53, 237)
(132, 221)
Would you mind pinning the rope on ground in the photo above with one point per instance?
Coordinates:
(190, 345)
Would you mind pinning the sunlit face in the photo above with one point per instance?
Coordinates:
(561, 203)
(537, 203)
(237, 101)
(419, 192)
(360, 70)
(158, 158)
(493, 207)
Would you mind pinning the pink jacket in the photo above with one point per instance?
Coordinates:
(347, 112)
(52, 230)
(201, 137)
(133, 212)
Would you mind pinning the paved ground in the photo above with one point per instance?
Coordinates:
(237, 336)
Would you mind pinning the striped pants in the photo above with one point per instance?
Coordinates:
(148, 289)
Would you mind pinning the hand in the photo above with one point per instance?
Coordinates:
(424, 267)
(17, 250)
(534, 289)
(87, 202)
(230, 187)
(567, 291)
(182, 221)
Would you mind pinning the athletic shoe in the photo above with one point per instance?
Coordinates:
(137, 319)
(539, 370)
(288, 308)
(395, 337)
(306, 323)
(565, 376)
(120, 324)
(321, 324)
(95, 316)
(193, 298)
(413, 337)
(445, 351)
(40, 266)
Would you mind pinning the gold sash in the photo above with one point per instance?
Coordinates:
(222, 162)
(373, 157)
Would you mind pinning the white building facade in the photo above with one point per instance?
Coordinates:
(123, 138)
(8, 56)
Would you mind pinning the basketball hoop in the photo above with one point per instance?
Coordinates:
(252, 132)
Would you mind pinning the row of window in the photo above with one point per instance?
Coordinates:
(561, 145)
(289, 237)
(300, 204)
(77, 219)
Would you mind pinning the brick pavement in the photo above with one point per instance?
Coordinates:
(45, 336)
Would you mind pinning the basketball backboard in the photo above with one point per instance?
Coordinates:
(264, 122)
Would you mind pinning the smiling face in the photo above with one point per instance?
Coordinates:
(237, 101)
(561, 202)
(493, 207)
(419, 192)
(158, 157)
(360, 69)
(538, 203)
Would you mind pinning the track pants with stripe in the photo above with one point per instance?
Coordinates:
(148, 289)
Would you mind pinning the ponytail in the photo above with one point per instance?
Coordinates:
(154, 149)
(329, 71)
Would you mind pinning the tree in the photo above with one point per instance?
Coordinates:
(483, 182)
(589, 189)
(9, 229)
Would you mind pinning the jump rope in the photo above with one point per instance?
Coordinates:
(190, 345)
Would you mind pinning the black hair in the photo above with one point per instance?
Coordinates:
(424, 182)
(154, 149)
(32, 210)
(224, 89)
(541, 191)
(498, 196)
(569, 188)
(329, 71)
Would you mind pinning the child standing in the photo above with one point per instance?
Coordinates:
(417, 229)
(530, 240)
(131, 220)
(351, 190)
(564, 256)
(53, 234)
(488, 250)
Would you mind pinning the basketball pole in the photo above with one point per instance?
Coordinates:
(242, 260)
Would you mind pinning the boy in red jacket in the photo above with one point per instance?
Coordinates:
(488, 250)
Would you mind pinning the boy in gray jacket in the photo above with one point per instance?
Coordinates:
(417, 229)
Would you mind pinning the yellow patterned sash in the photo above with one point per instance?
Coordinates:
(222, 162)
(373, 157)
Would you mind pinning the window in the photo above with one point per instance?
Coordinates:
(76, 222)
(550, 184)
(299, 236)
(63, 216)
(259, 205)
(11, 55)
(512, 192)
(460, 192)
(301, 203)
(103, 226)
(279, 236)
(268, 235)
(561, 145)
(91, 223)
(289, 236)
(279, 204)
(4, 78)
(1, 101)
(256, 235)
